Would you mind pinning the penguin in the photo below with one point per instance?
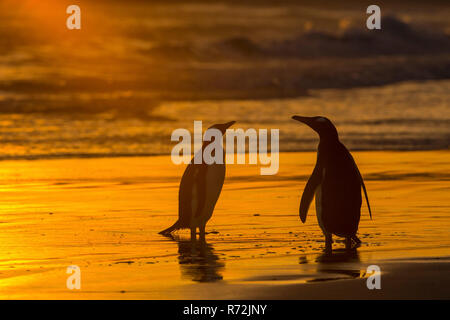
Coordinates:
(200, 189)
(336, 184)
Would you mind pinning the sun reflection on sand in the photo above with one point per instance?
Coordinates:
(104, 215)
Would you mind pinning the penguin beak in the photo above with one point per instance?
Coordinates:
(227, 125)
(305, 120)
(309, 121)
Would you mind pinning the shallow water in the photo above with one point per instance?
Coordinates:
(405, 116)
(104, 214)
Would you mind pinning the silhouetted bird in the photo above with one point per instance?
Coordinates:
(336, 183)
(200, 188)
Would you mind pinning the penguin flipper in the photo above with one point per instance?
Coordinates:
(365, 194)
(186, 194)
(201, 190)
(363, 186)
(308, 194)
(192, 187)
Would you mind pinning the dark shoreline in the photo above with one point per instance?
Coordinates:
(143, 155)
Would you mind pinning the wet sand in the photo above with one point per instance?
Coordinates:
(104, 214)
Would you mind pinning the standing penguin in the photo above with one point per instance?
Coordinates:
(336, 182)
(200, 188)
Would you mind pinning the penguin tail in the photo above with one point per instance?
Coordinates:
(169, 230)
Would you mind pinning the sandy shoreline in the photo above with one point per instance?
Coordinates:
(103, 215)
(400, 279)
(420, 278)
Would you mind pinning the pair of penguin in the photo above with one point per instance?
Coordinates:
(335, 182)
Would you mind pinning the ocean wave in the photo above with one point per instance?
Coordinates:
(86, 105)
(395, 37)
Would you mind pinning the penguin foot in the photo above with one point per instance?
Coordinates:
(357, 245)
(328, 247)
(356, 239)
(352, 243)
(328, 243)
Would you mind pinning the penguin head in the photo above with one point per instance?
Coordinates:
(323, 126)
(222, 126)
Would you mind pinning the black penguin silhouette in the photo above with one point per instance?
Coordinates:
(336, 183)
(200, 189)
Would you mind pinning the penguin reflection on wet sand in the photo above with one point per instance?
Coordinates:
(200, 189)
(336, 183)
(198, 261)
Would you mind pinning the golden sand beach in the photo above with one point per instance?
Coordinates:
(104, 215)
